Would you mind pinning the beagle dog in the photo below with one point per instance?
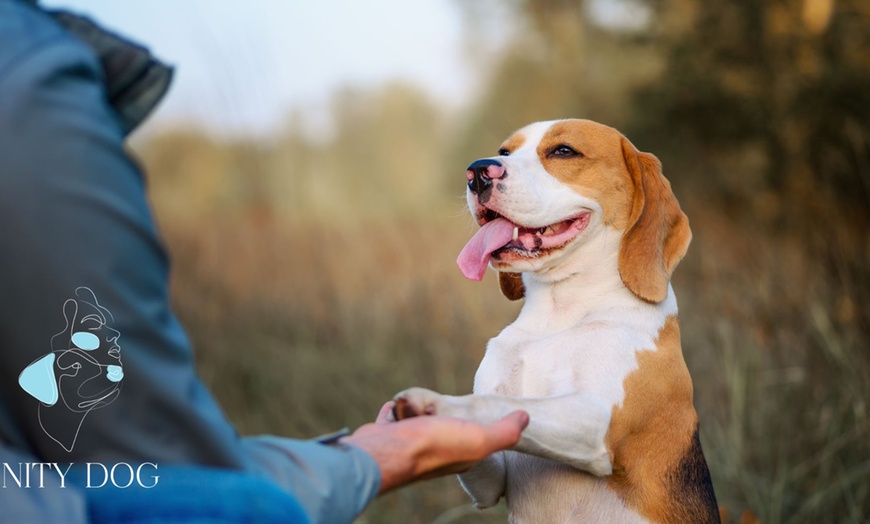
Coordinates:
(585, 227)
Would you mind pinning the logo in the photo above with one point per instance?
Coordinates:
(82, 373)
(121, 475)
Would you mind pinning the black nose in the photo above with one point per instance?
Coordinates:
(481, 173)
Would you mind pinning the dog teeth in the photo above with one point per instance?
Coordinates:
(516, 232)
(548, 230)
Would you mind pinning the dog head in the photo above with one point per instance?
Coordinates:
(553, 188)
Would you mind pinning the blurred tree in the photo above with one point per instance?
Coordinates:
(776, 92)
(558, 62)
(386, 138)
(383, 154)
(789, 78)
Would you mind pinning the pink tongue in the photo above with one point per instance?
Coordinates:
(475, 255)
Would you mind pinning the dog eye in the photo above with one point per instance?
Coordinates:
(503, 152)
(564, 151)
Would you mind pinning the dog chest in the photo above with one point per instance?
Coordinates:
(593, 357)
(518, 364)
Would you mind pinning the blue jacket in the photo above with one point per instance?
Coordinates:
(94, 366)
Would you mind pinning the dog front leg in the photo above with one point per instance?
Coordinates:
(567, 428)
(485, 482)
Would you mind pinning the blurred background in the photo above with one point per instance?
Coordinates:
(307, 173)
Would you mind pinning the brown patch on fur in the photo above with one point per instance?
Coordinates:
(634, 195)
(514, 142)
(511, 285)
(658, 466)
(658, 234)
(598, 173)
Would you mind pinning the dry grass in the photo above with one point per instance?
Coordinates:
(777, 345)
(302, 327)
(305, 328)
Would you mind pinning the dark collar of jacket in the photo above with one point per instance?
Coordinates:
(135, 80)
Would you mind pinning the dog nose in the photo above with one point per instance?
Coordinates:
(481, 173)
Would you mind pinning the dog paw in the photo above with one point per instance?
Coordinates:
(415, 402)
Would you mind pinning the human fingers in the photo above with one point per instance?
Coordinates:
(473, 441)
(505, 433)
(453, 445)
(384, 414)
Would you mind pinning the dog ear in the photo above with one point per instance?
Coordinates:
(511, 285)
(658, 233)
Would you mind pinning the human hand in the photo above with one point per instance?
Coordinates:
(431, 446)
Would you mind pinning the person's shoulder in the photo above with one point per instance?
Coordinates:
(51, 92)
(23, 27)
(26, 32)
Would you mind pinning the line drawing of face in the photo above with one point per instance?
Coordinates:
(83, 372)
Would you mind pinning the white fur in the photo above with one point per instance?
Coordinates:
(563, 360)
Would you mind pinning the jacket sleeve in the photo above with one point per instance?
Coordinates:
(73, 215)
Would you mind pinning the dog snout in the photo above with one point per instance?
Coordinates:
(481, 173)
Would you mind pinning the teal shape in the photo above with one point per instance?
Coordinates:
(38, 379)
(114, 373)
(86, 341)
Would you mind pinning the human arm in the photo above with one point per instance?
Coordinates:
(73, 213)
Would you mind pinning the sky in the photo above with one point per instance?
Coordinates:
(241, 66)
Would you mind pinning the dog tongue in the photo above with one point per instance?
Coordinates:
(475, 255)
